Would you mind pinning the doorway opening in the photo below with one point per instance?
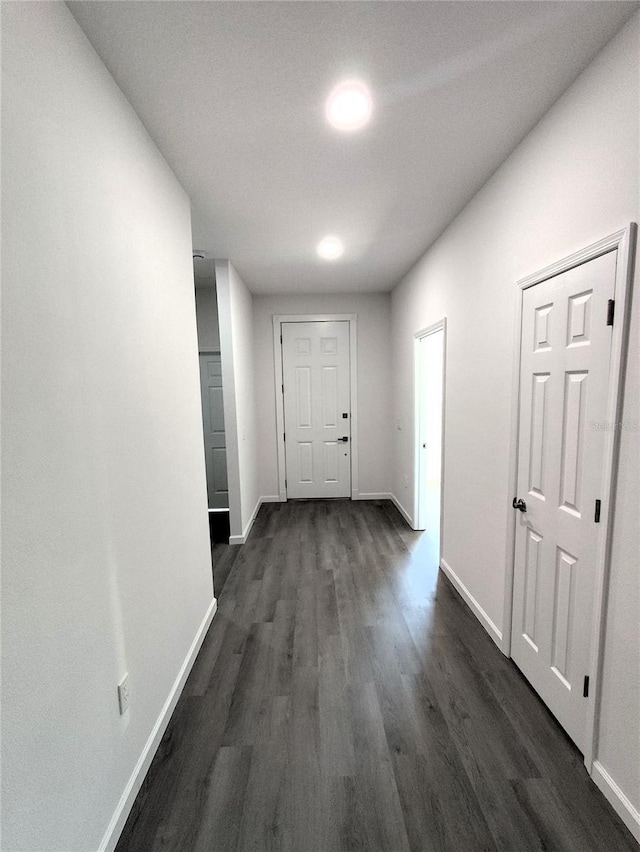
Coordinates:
(213, 420)
(430, 346)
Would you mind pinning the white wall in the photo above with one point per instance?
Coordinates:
(374, 382)
(207, 319)
(572, 181)
(235, 305)
(106, 561)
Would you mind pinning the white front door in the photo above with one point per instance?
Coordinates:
(564, 369)
(215, 445)
(317, 417)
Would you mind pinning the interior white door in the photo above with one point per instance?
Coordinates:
(215, 446)
(565, 355)
(430, 367)
(317, 416)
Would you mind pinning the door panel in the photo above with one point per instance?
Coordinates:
(316, 378)
(219, 477)
(216, 408)
(329, 397)
(538, 432)
(303, 398)
(214, 434)
(575, 394)
(530, 608)
(331, 461)
(565, 354)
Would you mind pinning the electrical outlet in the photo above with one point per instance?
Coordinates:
(123, 694)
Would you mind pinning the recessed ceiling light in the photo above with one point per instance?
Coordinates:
(330, 248)
(349, 106)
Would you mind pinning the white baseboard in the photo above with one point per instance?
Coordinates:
(402, 510)
(614, 795)
(472, 603)
(242, 539)
(114, 829)
(373, 495)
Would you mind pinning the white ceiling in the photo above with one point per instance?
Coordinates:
(233, 94)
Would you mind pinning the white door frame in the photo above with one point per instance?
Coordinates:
(352, 319)
(624, 242)
(441, 325)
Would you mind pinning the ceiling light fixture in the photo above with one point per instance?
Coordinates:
(330, 248)
(349, 106)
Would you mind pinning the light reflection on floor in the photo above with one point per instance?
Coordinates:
(420, 571)
(417, 582)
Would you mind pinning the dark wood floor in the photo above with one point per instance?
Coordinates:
(346, 699)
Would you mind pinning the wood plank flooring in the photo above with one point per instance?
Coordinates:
(346, 699)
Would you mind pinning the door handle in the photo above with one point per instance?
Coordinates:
(519, 504)
(344, 440)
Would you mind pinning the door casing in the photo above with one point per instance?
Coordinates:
(623, 241)
(278, 319)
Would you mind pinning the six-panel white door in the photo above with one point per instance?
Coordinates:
(215, 444)
(317, 417)
(565, 354)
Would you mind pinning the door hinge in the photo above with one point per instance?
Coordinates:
(585, 687)
(284, 436)
(280, 338)
(596, 514)
(611, 307)
(283, 390)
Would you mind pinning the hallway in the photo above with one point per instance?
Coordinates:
(346, 699)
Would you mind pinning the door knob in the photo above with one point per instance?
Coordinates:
(519, 504)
